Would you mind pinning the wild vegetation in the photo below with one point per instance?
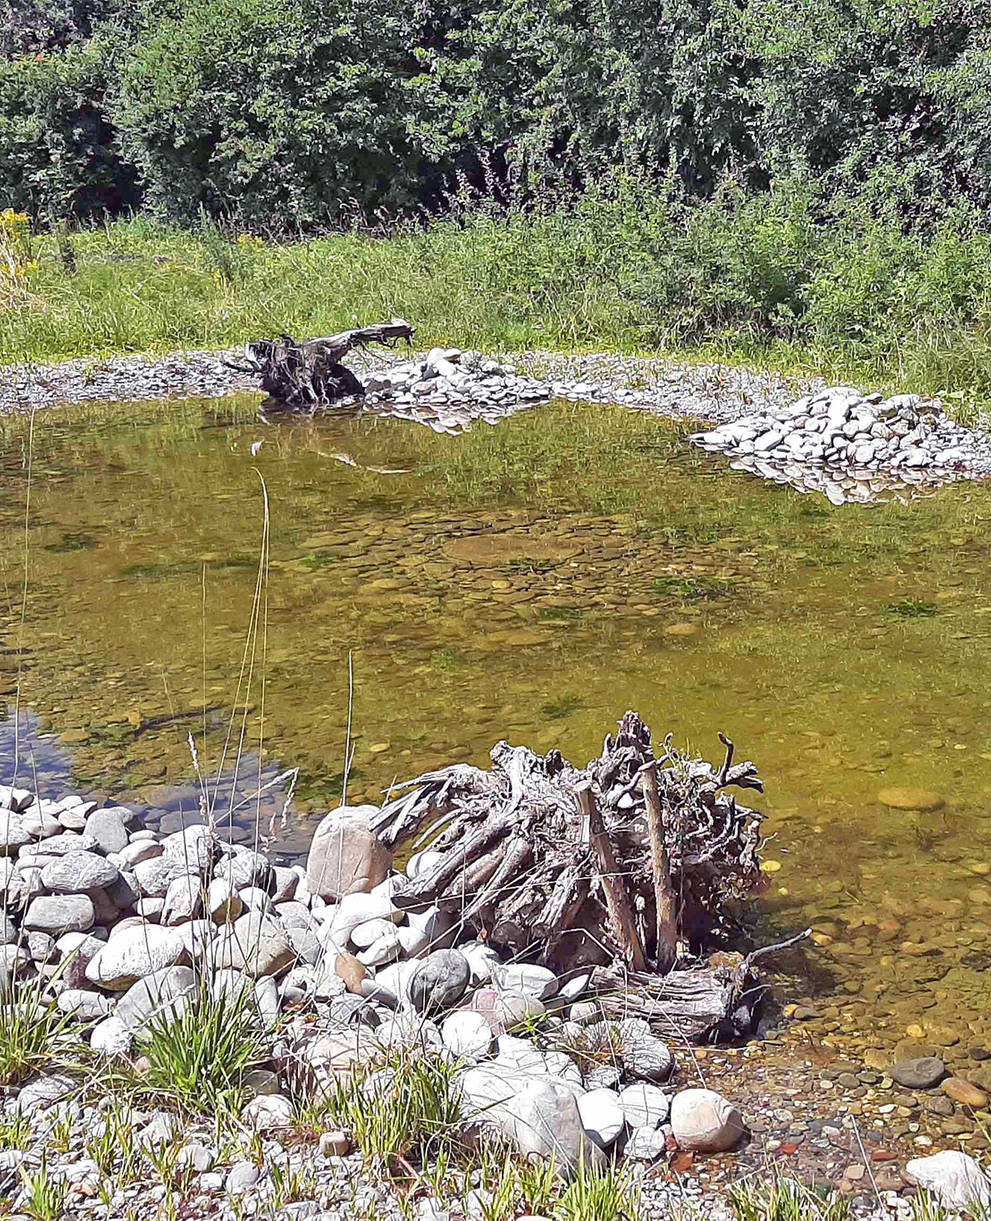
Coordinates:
(789, 182)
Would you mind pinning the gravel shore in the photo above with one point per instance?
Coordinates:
(710, 392)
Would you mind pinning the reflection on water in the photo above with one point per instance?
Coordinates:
(847, 486)
(530, 581)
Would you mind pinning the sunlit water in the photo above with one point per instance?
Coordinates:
(531, 581)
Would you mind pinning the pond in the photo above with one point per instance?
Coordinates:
(529, 581)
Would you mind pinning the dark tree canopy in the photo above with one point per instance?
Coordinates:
(298, 113)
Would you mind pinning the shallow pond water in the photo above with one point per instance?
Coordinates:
(529, 581)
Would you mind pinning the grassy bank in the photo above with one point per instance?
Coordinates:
(779, 281)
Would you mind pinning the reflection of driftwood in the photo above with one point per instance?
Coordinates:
(310, 375)
(519, 863)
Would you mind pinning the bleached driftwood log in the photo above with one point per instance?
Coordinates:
(579, 867)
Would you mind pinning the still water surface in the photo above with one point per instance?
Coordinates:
(531, 581)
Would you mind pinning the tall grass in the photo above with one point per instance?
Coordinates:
(790, 279)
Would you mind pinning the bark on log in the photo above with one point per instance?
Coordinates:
(665, 903)
(611, 880)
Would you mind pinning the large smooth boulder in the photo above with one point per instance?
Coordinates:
(345, 855)
(134, 953)
(255, 943)
(705, 1121)
(954, 1178)
(538, 1115)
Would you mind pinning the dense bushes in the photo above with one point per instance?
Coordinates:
(266, 111)
(57, 156)
(301, 113)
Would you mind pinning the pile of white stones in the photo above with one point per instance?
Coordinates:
(850, 445)
(123, 928)
(447, 391)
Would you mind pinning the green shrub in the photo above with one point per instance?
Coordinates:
(58, 156)
(275, 112)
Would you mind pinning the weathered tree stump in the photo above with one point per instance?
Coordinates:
(310, 376)
(657, 872)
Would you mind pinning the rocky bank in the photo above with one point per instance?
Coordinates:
(123, 930)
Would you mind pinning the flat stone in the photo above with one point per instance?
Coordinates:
(136, 952)
(83, 1004)
(920, 1074)
(60, 913)
(77, 873)
(924, 800)
(964, 1092)
(529, 979)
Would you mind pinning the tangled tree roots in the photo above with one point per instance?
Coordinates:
(629, 860)
(310, 376)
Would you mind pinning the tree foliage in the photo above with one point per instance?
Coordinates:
(299, 113)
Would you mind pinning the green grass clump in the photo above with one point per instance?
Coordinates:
(692, 589)
(199, 1056)
(34, 1034)
(787, 1200)
(408, 1112)
(913, 608)
(44, 1196)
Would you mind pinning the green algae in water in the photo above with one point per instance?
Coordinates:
(651, 577)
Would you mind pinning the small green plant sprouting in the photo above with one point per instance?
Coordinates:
(15, 1132)
(290, 1185)
(787, 1200)
(43, 1196)
(60, 1137)
(517, 1185)
(113, 1149)
(560, 707)
(201, 1055)
(925, 1207)
(606, 1194)
(408, 1112)
(913, 608)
